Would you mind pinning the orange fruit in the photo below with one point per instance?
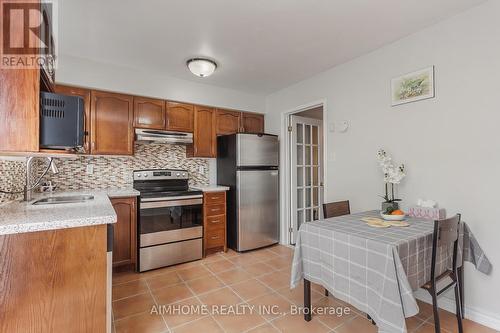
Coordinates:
(398, 212)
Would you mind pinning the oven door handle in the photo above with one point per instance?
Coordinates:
(171, 203)
(172, 198)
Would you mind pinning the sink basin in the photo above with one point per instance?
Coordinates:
(63, 200)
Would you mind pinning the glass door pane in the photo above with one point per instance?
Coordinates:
(306, 175)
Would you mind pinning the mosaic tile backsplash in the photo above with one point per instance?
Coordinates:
(12, 174)
(109, 172)
(116, 172)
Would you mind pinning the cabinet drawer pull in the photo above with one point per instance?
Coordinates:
(214, 209)
(215, 237)
(215, 198)
(215, 221)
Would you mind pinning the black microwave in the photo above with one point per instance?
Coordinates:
(62, 121)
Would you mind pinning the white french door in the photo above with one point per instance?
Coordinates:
(306, 172)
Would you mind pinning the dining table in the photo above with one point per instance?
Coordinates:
(376, 270)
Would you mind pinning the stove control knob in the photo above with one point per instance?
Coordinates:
(184, 174)
(138, 175)
(145, 174)
(178, 174)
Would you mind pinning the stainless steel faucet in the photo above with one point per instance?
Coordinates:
(28, 188)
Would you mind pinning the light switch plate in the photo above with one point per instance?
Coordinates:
(90, 169)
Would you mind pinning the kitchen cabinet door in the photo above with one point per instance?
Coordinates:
(125, 239)
(112, 117)
(204, 138)
(252, 122)
(85, 94)
(227, 122)
(180, 117)
(149, 113)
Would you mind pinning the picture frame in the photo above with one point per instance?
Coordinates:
(413, 87)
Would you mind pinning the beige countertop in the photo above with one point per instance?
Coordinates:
(20, 217)
(210, 188)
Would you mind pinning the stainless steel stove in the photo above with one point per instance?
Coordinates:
(170, 223)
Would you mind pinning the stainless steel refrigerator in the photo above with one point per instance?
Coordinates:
(249, 165)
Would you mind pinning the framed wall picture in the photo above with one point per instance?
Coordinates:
(413, 87)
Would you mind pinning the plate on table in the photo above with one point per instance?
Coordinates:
(378, 224)
(375, 222)
(398, 223)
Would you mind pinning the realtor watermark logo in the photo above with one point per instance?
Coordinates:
(29, 35)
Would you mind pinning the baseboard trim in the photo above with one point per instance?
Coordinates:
(479, 316)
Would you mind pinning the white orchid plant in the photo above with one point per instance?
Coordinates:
(393, 175)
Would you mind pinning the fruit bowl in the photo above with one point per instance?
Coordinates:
(389, 217)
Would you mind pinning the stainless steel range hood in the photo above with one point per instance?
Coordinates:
(157, 136)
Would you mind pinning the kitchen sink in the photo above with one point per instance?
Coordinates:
(63, 200)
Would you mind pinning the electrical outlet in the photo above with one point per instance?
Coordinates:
(90, 169)
(201, 169)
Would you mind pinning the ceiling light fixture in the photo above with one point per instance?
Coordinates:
(201, 67)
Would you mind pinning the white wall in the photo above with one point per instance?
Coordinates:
(87, 73)
(450, 144)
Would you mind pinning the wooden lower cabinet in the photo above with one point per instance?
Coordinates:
(214, 222)
(125, 232)
(54, 281)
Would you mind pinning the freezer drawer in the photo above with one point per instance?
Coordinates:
(257, 150)
(258, 209)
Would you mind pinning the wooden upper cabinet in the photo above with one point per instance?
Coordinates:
(85, 94)
(19, 105)
(19, 97)
(180, 117)
(112, 131)
(252, 122)
(227, 122)
(149, 113)
(205, 138)
(125, 229)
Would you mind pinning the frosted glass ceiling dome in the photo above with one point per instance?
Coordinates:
(201, 67)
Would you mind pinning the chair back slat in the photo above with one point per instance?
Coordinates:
(447, 230)
(445, 235)
(334, 209)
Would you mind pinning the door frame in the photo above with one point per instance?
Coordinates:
(286, 223)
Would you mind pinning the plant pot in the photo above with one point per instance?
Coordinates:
(394, 205)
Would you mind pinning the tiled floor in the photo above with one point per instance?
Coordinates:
(259, 278)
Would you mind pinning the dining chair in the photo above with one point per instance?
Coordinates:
(334, 209)
(446, 234)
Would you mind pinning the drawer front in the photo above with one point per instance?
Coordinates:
(170, 254)
(214, 238)
(216, 222)
(213, 210)
(215, 198)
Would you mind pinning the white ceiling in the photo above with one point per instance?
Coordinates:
(261, 45)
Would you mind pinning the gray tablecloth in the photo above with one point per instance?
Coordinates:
(375, 270)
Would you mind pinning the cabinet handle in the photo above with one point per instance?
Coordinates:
(214, 209)
(215, 221)
(215, 198)
(215, 237)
